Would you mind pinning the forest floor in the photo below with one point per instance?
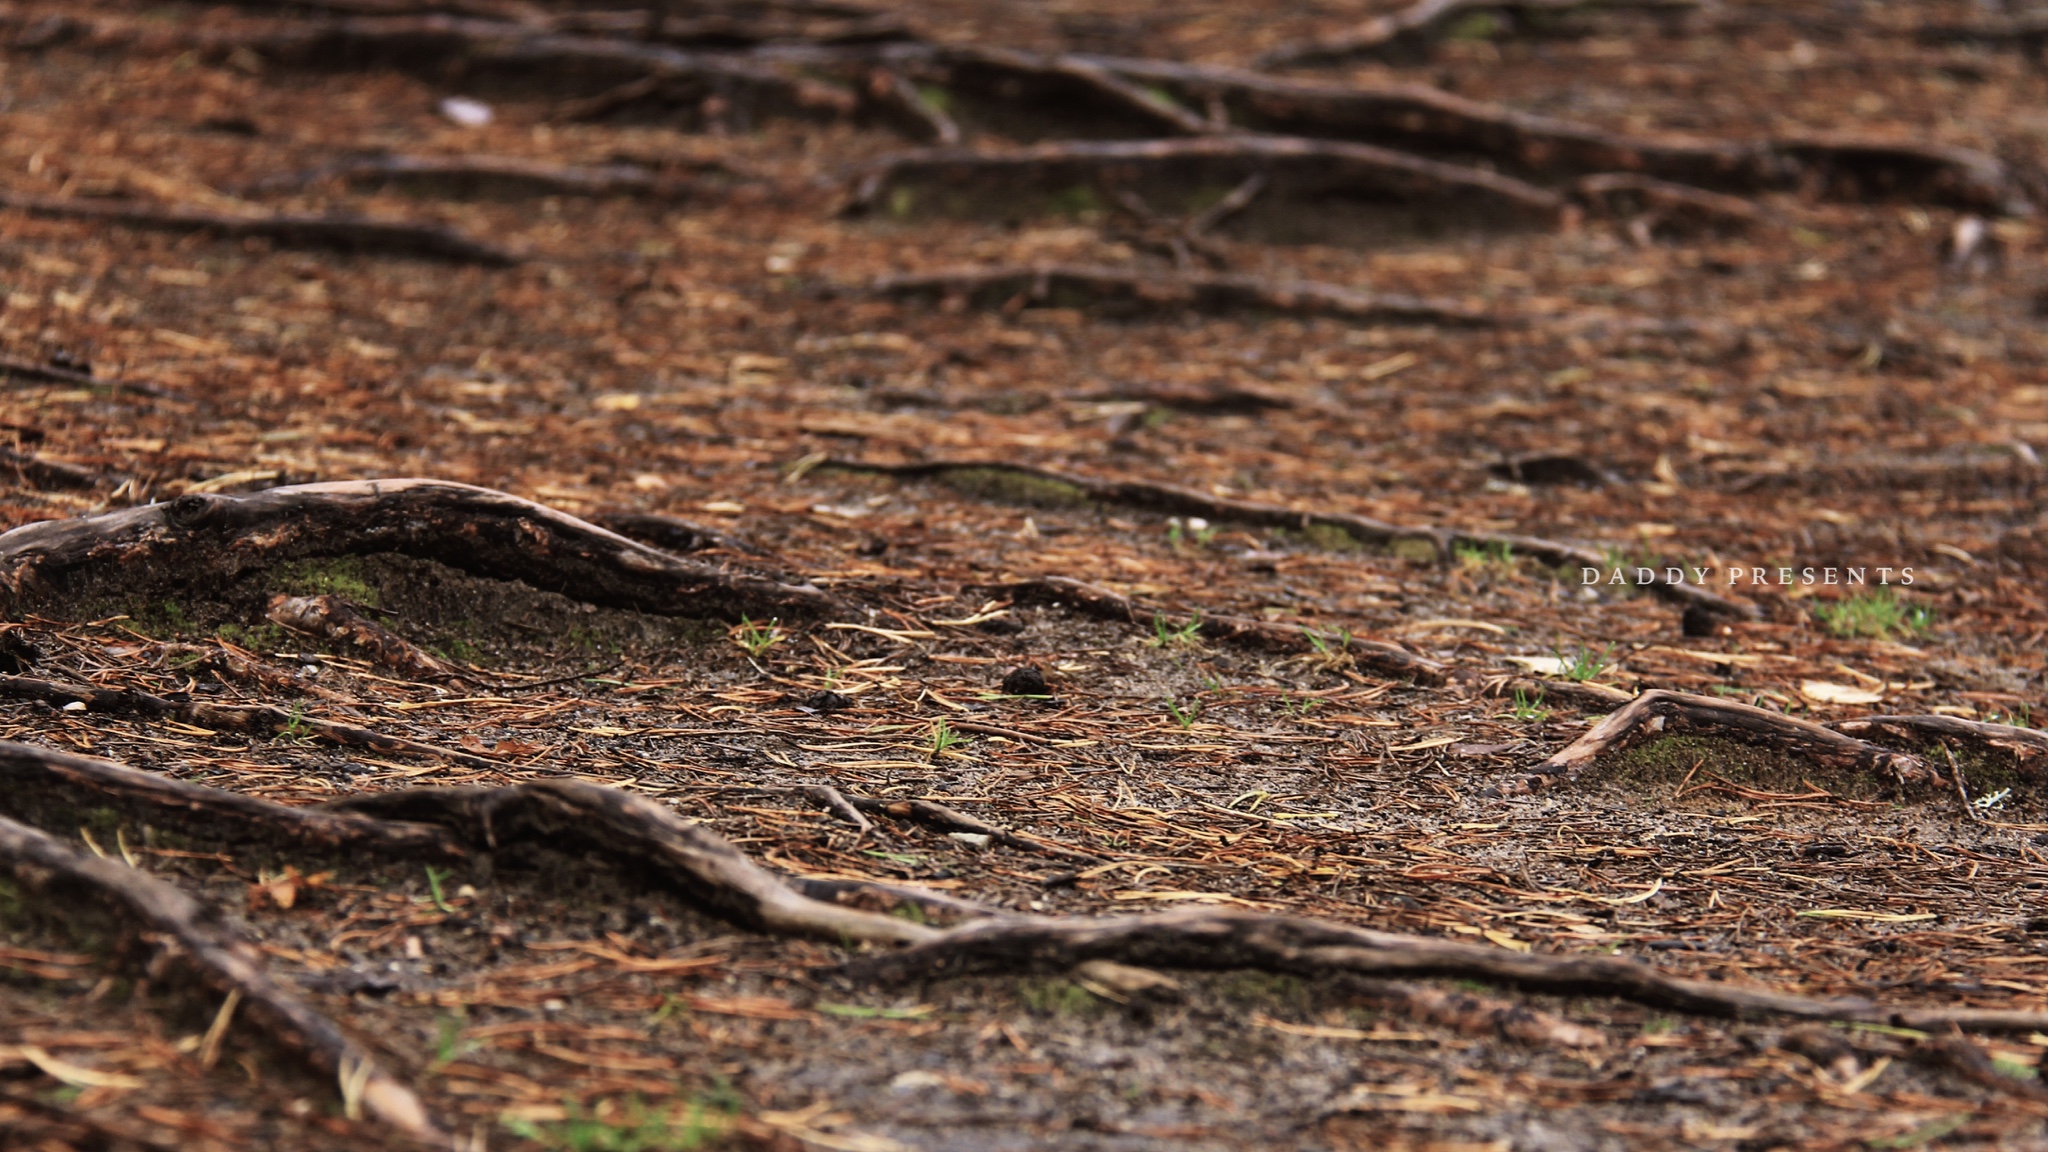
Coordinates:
(1139, 523)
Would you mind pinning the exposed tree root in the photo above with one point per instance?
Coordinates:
(474, 173)
(216, 538)
(53, 374)
(1475, 1015)
(34, 472)
(1376, 655)
(640, 835)
(949, 819)
(348, 233)
(1222, 939)
(254, 719)
(1442, 543)
(1314, 167)
(734, 30)
(1652, 204)
(894, 92)
(644, 837)
(39, 777)
(2026, 745)
(1659, 710)
(1013, 286)
(673, 533)
(1425, 19)
(336, 619)
(744, 86)
(224, 961)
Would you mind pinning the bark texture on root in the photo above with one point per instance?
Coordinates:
(1217, 940)
(1425, 19)
(31, 773)
(1175, 500)
(224, 961)
(1010, 286)
(1475, 1015)
(1323, 167)
(2027, 745)
(640, 835)
(198, 539)
(255, 719)
(53, 374)
(347, 233)
(481, 174)
(1661, 711)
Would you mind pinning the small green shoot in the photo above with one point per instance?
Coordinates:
(755, 639)
(943, 738)
(1186, 719)
(434, 878)
(1583, 663)
(1166, 635)
(1878, 615)
(1530, 709)
(1497, 554)
(296, 729)
(449, 1046)
(2018, 716)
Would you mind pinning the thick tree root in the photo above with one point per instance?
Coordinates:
(640, 835)
(228, 964)
(53, 374)
(1012, 286)
(1475, 1015)
(254, 719)
(348, 233)
(1424, 20)
(1317, 167)
(477, 174)
(1376, 655)
(1426, 120)
(2029, 746)
(644, 837)
(336, 619)
(1217, 940)
(197, 539)
(1659, 710)
(1174, 500)
(38, 777)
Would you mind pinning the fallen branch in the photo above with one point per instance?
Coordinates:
(1303, 166)
(1424, 20)
(56, 872)
(1011, 286)
(1655, 202)
(893, 91)
(32, 471)
(254, 719)
(1440, 543)
(949, 819)
(349, 233)
(336, 619)
(1659, 711)
(214, 539)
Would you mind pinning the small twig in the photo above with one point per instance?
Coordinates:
(1955, 776)
(833, 801)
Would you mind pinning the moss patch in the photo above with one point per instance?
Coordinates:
(1014, 487)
